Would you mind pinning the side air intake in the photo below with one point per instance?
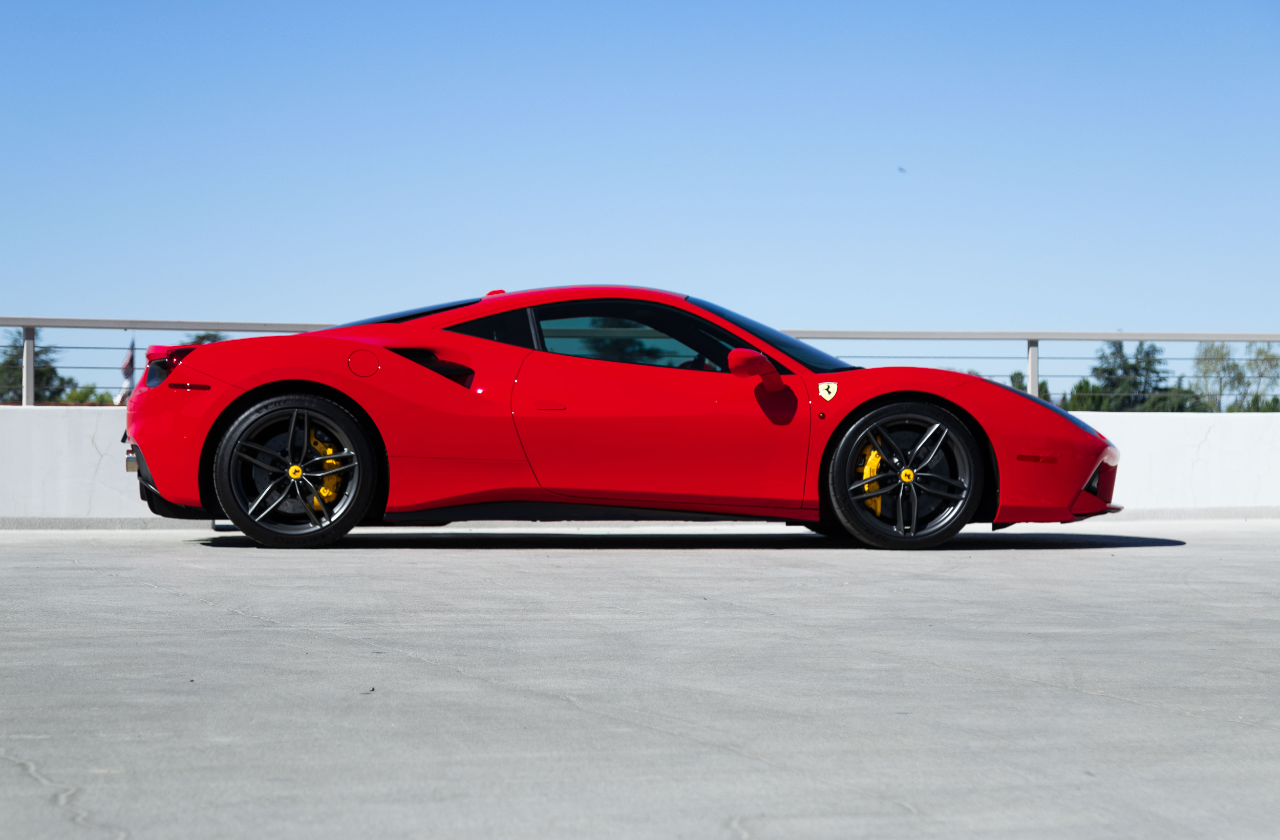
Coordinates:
(452, 371)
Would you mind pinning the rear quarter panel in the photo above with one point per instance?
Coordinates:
(419, 413)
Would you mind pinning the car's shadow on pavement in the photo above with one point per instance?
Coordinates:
(1033, 542)
(668, 542)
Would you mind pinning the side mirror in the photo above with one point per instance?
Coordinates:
(743, 362)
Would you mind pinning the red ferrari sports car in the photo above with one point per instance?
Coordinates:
(596, 402)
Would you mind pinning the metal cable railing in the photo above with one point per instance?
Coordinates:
(1031, 339)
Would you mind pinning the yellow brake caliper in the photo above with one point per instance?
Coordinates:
(329, 485)
(872, 467)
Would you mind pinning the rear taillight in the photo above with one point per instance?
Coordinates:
(157, 372)
(159, 367)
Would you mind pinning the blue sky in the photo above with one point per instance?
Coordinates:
(1067, 166)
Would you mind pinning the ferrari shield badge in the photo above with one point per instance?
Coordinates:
(827, 390)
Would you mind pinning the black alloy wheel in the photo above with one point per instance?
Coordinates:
(295, 472)
(906, 476)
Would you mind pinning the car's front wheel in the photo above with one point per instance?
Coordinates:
(295, 471)
(907, 475)
(829, 528)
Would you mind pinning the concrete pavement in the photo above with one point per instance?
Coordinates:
(1105, 679)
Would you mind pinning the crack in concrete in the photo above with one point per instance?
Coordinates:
(63, 796)
(1196, 461)
(93, 479)
(102, 457)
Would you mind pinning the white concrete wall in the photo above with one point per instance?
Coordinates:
(1194, 464)
(67, 464)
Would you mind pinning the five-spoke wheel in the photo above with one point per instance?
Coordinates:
(294, 472)
(907, 475)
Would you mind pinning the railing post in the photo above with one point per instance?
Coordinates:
(28, 365)
(1033, 367)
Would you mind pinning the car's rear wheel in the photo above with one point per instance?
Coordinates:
(295, 471)
(906, 476)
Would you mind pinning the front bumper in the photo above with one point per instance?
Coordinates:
(1094, 498)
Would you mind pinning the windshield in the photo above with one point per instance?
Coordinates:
(811, 357)
(411, 314)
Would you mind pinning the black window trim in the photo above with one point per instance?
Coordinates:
(538, 343)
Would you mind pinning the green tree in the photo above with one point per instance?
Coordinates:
(50, 387)
(1260, 378)
(1085, 396)
(206, 338)
(1134, 383)
(87, 395)
(1217, 373)
(1176, 398)
(1018, 380)
(1254, 402)
(1128, 382)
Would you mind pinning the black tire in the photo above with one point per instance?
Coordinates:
(906, 476)
(295, 471)
(829, 528)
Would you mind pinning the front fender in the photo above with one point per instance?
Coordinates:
(1043, 459)
(853, 390)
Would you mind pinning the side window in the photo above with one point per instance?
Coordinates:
(635, 332)
(506, 327)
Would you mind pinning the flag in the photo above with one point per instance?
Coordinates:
(126, 368)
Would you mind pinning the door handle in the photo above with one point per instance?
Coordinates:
(548, 405)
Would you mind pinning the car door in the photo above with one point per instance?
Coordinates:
(632, 400)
